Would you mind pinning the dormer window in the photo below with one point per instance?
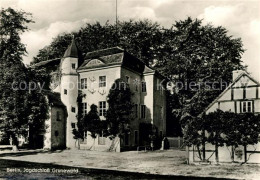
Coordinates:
(73, 66)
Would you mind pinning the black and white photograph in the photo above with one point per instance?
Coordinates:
(130, 89)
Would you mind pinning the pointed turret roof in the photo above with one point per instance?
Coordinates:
(72, 50)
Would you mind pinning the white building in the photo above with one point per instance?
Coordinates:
(94, 77)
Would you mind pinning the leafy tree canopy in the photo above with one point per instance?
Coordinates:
(19, 107)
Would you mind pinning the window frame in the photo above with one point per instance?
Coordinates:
(84, 108)
(83, 83)
(143, 111)
(58, 116)
(102, 82)
(245, 106)
(73, 64)
(102, 108)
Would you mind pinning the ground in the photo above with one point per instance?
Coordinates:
(170, 162)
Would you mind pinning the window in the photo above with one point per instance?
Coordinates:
(136, 110)
(102, 108)
(102, 81)
(136, 137)
(143, 86)
(73, 125)
(56, 133)
(246, 106)
(143, 109)
(73, 66)
(73, 109)
(83, 83)
(58, 116)
(84, 108)
(65, 91)
(127, 78)
(101, 140)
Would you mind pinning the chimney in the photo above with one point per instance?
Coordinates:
(236, 73)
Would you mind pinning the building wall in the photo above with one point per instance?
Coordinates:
(51, 141)
(69, 82)
(93, 93)
(135, 80)
(159, 116)
(58, 128)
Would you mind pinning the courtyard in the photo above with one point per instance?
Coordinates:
(170, 162)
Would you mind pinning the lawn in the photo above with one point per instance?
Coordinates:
(170, 162)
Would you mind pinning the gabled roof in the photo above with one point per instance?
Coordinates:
(230, 85)
(72, 50)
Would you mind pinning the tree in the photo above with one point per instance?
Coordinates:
(79, 132)
(93, 123)
(13, 102)
(216, 122)
(119, 113)
(221, 128)
(142, 38)
(195, 56)
(23, 107)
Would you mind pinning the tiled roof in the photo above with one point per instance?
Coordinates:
(103, 52)
(51, 62)
(112, 56)
(72, 50)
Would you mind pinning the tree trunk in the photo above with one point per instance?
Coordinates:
(232, 154)
(198, 148)
(216, 153)
(203, 152)
(245, 153)
(14, 143)
(203, 148)
(94, 144)
(78, 144)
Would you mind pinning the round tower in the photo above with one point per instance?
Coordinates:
(69, 89)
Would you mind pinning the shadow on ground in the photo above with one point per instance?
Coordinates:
(30, 152)
(83, 173)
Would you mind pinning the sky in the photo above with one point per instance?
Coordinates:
(240, 17)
